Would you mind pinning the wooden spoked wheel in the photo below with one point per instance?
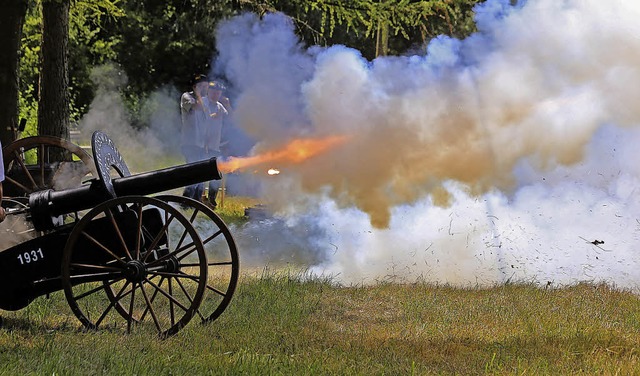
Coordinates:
(44, 162)
(134, 262)
(222, 254)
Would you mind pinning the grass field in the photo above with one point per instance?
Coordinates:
(285, 323)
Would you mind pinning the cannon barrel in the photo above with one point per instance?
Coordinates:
(47, 206)
(168, 178)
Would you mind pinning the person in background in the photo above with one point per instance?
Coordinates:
(217, 111)
(216, 94)
(194, 116)
(3, 214)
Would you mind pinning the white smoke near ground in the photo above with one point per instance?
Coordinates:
(506, 156)
(16, 228)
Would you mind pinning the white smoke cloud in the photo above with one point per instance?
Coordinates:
(267, 64)
(148, 148)
(509, 155)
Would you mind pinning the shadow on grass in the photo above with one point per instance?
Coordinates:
(28, 325)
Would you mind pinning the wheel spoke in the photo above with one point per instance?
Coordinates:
(130, 316)
(153, 297)
(117, 229)
(171, 305)
(87, 293)
(151, 311)
(176, 275)
(98, 267)
(188, 249)
(102, 247)
(221, 293)
(139, 231)
(12, 181)
(210, 238)
(184, 233)
(163, 231)
(175, 254)
(94, 277)
(41, 164)
(184, 291)
(26, 171)
(111, 305)
(168, 296)
(158, 237)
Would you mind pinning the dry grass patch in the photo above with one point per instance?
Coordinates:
(288, 323)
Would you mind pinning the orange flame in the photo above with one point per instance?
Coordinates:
(295, 151)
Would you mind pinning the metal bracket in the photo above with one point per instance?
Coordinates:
(106, 157)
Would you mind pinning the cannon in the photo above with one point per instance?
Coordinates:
(124, 259)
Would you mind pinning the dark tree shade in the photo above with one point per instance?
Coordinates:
(167, 41)
(12, 13)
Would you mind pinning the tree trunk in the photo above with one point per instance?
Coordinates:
(12, 13)
(382, 39)
(53, 103)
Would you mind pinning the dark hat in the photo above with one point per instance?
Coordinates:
(199, 78)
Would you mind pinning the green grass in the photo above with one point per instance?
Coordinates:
(284, 323)
(231, 208)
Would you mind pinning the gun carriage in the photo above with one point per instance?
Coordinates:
(123, 259)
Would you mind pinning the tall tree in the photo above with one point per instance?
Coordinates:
(375, 27)
(53, 103)
(12, 13)
(167, 41)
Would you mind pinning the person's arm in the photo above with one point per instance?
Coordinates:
(227, 104)
(220, 111)
(187, 101)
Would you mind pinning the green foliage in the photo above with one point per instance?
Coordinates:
(356, 23)
(30, 68)
(166, 42)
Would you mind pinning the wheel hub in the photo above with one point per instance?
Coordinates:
(135, 271)
(173, 265)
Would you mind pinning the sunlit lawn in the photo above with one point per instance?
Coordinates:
(284, 322)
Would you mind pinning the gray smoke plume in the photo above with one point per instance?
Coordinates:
(152, 147)
(509, 155)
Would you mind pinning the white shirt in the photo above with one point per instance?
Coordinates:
(213, 130)
(193, 121)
